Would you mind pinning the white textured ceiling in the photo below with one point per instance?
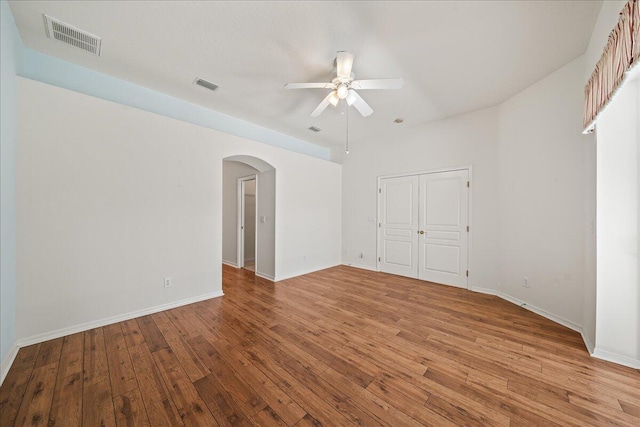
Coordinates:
(454, 57)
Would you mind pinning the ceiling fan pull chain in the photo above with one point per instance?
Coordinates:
(347, 108)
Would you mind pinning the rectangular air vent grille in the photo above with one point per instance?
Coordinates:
(314, 129)
(206, 84)
(73, 36)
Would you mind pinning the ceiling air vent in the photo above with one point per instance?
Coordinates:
(314, 129)
(68, 34)
(206, 84)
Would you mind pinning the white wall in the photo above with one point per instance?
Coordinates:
(470, 139)
(528, 191)
(607, 19)
(9, 64)
(111, 199)
(542, 188)
(618, 291)
(231, 172)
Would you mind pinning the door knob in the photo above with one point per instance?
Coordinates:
(421, 232)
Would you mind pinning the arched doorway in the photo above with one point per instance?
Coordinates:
(241, 224)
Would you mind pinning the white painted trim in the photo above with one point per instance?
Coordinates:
(469, 169)
(485, 291)
(8, 361)
(230, 264)
(451, 169)
(593, 351)
(470, 225)
(240, 219)
(542, 312)
(616, 358)
(587, 343)
(114, 319)
(265, 276)
(302, 273)
(360, 266)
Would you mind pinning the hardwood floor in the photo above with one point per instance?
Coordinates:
(340, 347)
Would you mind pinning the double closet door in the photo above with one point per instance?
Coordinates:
(423, 228)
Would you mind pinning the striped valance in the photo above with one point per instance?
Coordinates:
(620, 54)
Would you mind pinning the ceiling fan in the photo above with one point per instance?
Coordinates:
(344, 87)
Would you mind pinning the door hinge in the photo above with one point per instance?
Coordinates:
(467, 273)
(467, 184)
(467, 228)
(378, 259)
(379, 225)
(380, 190)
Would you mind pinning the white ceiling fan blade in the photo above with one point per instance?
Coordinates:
(344, 62)
(378, 84)
(359, 103)
(309, 86)
(321, 107)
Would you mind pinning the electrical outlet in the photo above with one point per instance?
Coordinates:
(167, 282)
(525, 282)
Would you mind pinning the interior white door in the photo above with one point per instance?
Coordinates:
(443, 227)
(399, 226)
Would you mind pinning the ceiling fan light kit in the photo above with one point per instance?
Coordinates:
(343, 86)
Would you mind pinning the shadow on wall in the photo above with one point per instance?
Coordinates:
(235, 168)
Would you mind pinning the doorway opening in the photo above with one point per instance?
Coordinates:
(247, 222)
(249, 215)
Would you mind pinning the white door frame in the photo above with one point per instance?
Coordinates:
(240, 220)
(468, 168)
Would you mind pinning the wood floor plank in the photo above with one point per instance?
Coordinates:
(191, 363)
(97, 404)
(267, 418)
(339, 347)
(279, 402)
(152, 335)
(37, 398)
(49, 352)
(121, 373)
(132, 333)
(317, 407)
(380, 408)
(220, 402)
(130, 410)
(190, 406)
(95, 365)
(630, 408)
(97, 397)
(15, 384)
(351, 371)
(66, 409)
(242, 394)
(156, 397)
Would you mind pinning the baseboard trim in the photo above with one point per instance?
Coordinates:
(8, 361)
(616, 358)
(302, 273)
(360, 266)
(114, 319)
(542, 312)
(588, 343)
(265, 276)
(230, 264)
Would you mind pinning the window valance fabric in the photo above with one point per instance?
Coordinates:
(620, 54)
